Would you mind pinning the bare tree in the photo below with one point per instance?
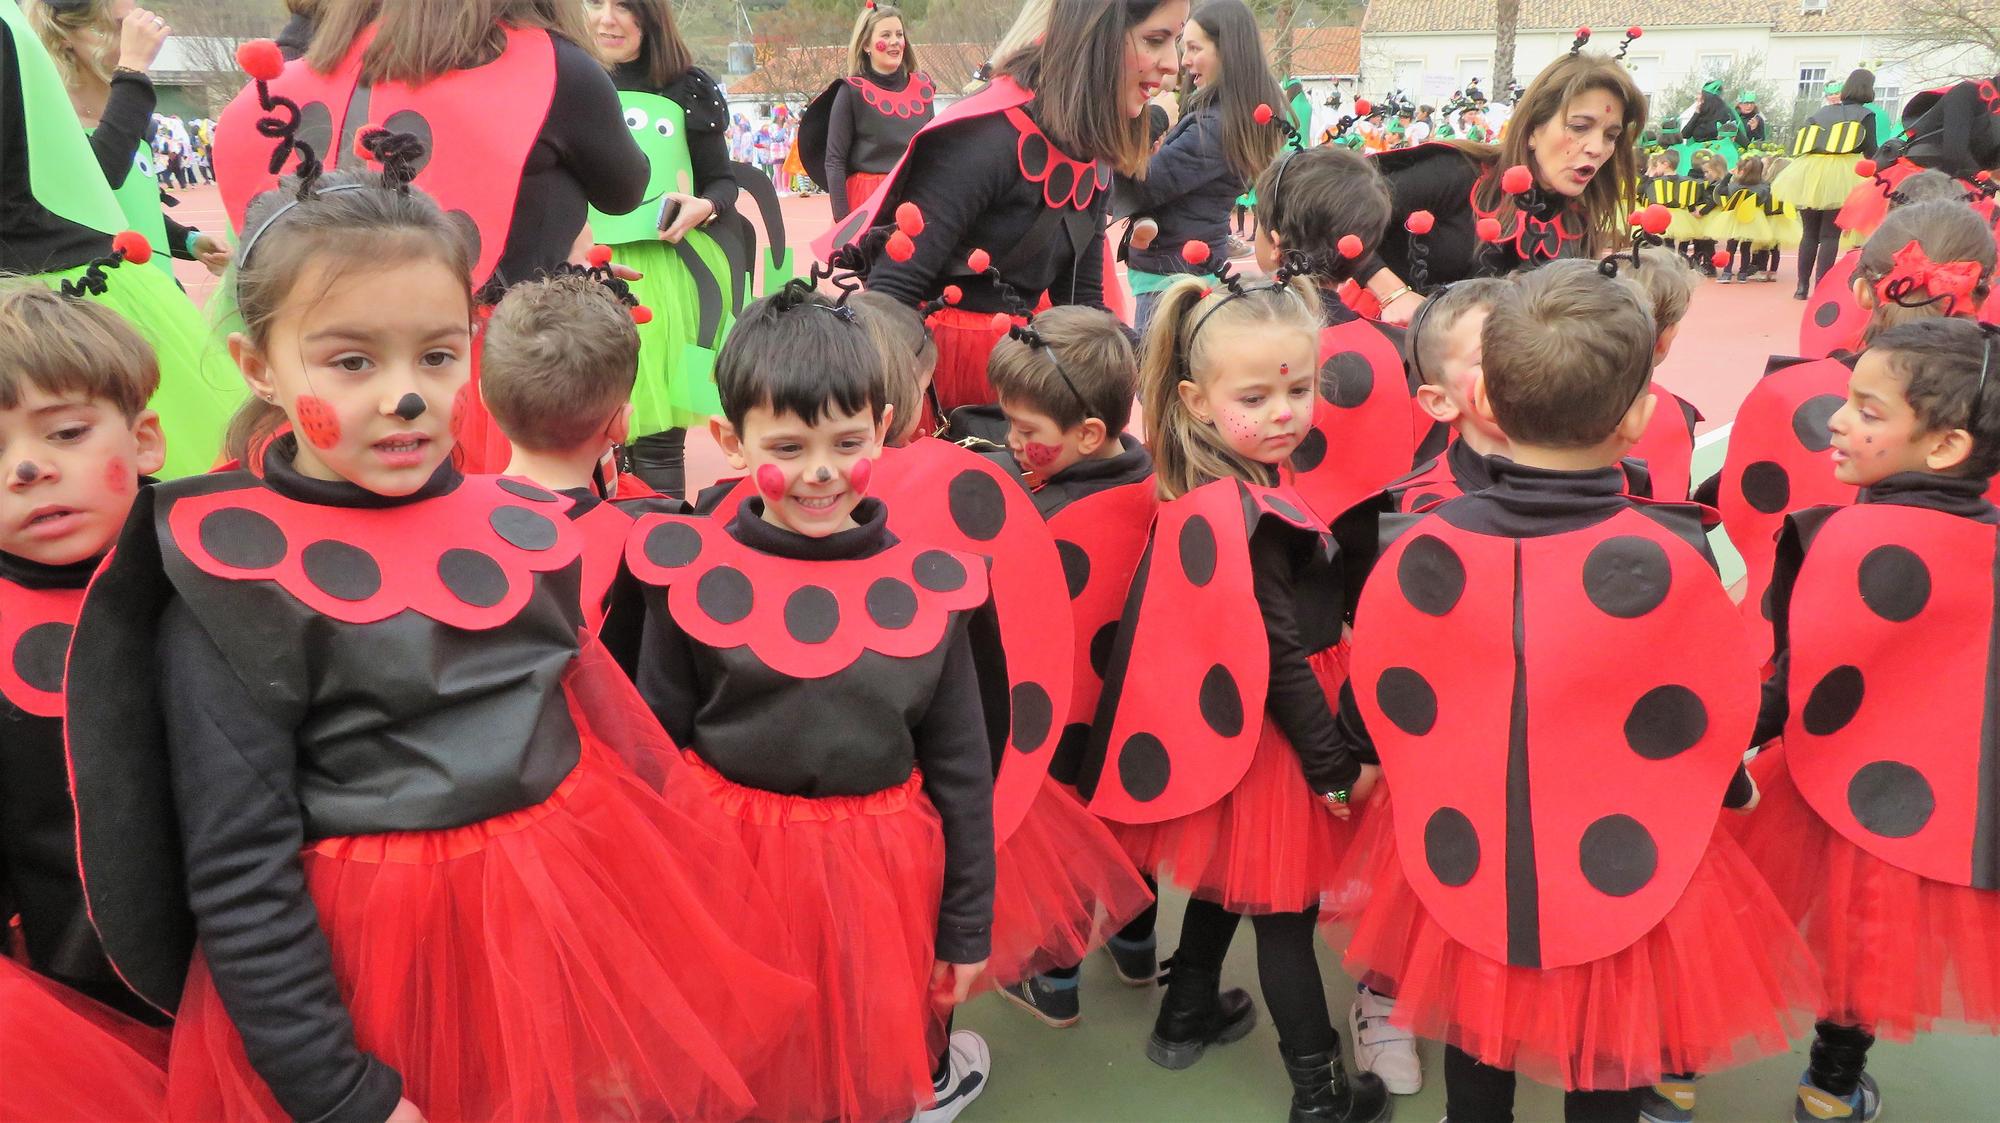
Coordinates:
(1962, 35)
(209, 32)
(1506, 20)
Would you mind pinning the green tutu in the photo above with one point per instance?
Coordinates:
(1818, 182)
(676, 384)
(200, 387)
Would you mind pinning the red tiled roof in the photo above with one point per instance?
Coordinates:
(1785, 16)
(1326, 50)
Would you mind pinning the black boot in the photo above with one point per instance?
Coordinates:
(1195, 1014)
(1802, 291)
(1322, 1090)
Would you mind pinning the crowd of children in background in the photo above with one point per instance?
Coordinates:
(183, 151)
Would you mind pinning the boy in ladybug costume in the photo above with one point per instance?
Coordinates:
(1880, 827)
(1549, 891)
(1666, 449)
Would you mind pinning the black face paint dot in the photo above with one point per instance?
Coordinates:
(1143, 767)
(241, 538)
(410, 406)
(1451, 846)
(1407, 700)
(1425, 501)
(1627, 576)
(342, 571)
(1826, 314)
(1076, 566)
(1311, 451)
(1221, 702)
(938, 571)
(1811, 420)
(891, 604)
(977, 504)
(40, 653)
(1034, 714)
(1665, 722)
(724, 593)
(1347, 379)
(1431, 575)
(672, 545)
(1617, 855)
(1890, 799)
(1834, 701)
(525, 490)
(523, 529)
(811, 613)
(473, 577)
(1100, 648)
(1766, 487)
(1197, 548)
(1895, 582)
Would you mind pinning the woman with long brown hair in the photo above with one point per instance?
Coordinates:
(859, 127)
(1021, 172)
(1571, 130)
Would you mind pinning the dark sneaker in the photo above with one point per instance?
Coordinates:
(1817, 1105)
(1054, 1001)
(1669, 1101)
(1137, 963)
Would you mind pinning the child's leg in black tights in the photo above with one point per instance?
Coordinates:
(1480, 1093)
(1288, 974)
(1141, 929)
(1839, 1053)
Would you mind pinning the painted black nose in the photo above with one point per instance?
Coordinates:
(411, 406)
(26, 471)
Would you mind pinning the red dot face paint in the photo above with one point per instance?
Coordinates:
(317, 422)
(119, 479)
(1039, 455)
(859, 476)
(770, 482)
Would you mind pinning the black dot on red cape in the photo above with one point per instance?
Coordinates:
(523, 529)
(1346, 379)
(1220, 702)
(1812, 420)
(978, 506)
(725, 594)
(672, 545)
(1766, 487)
(1286, 511)
(242, 538)
(812, 614)
(473, 577)
(1627, 576)
(340, 570)
(1833, 701)
(938, 571)
(39, 655)
(1076, 566)
(1062, 181)
(1310, 453)
(417, 125)
(1143, 767)
(1451, 846)
(1617, 855)
(1407, 700)
(1101, 645)
(1665, 722)
(1895, 583)
(1827, 314)
(1431, 575)
(1890, 798)
(891, 603)
(1197, 551)
(1034, 713)
(524, 490)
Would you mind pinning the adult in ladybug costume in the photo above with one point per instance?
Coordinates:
(1879, 823)
(1825, 152)
(1953, 129)
(1020, 172)
(856, 131)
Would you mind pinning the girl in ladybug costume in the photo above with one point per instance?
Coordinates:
(856, 131)
(376, 765)
(1879, 818)
(1215, 749)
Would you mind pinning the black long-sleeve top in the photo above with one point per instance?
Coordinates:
(973, 195)
(860, 730)
(1441, 182)
(844, 125)
(33, 239)
(125, 124)
(1301, 604)
(706, 123)
(1951, 495)
(1189, 189)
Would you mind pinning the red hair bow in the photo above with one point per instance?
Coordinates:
(1912, 271)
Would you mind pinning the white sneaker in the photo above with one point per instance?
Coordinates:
(1389, 1052)
(971, 1062)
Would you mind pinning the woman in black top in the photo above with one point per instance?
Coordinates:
(875, 110)
(1817, 181)
(1571, 130)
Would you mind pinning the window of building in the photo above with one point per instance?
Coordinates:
(1407, 75)
(1715, 65)
(1645, 72)
(1812, 82)
(1470, 68)
(1889, 95)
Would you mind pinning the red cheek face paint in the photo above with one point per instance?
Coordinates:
(119, 478)
(1040, 455)
(858, 477)
(770, 482)
(881, 46)
(317, 421)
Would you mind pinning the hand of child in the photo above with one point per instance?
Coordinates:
(139, 40)
(1358, 793)
(406, 1112)
(951, 983)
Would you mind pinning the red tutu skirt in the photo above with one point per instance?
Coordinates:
(1063, 887)
(860, 879)
(1723, 979)
(1269, 846)
(860, 185)
(63, 1056)
(1867, 204)
(598, 955)
(964, 340)
(1901, 952)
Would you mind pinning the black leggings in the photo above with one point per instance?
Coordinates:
(660, 459)
(1287, 969)
(1819, 245)
(1480, 1093)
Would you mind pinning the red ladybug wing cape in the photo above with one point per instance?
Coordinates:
(1668, 445)
(1778, 462)
(1833, 319)
(605, 525)
(1551, 801)
(1183, 701)
(1895, 710)
(1361, 436)
(477, 126)
(1100, 539)
(35, 630)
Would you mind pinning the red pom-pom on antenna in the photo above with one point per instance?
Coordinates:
(1634, 32)
(900, 247)
(1262, 114)
(1363, 107)
(598, 256)
(1195, 252)
(1002, 321)
(1488, 229)
(1419, 223)
(952, 295)
(1655, 219)
(909, 219)
(1865, 169)
(979, 261)
(641, 314)
(1517, 180)
(1583, 33)
(1350, 246)
(134, 246)
(261, 59)
(1720, 260)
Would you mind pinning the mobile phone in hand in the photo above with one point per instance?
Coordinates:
(670, 209)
